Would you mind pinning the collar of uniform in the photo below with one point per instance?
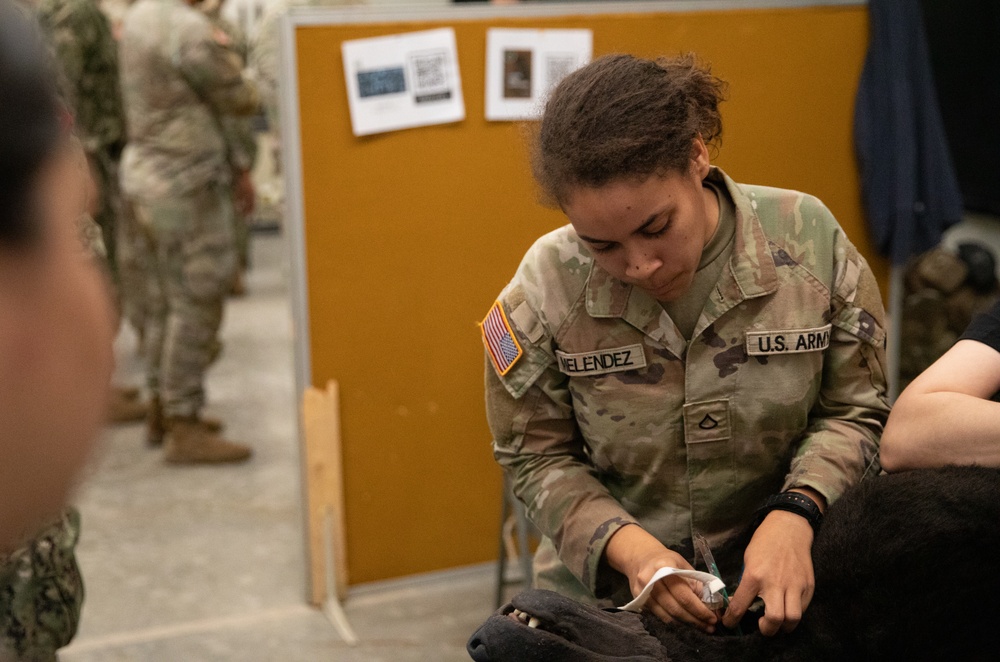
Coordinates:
(606, 295)
(751, 271)
(609, 297)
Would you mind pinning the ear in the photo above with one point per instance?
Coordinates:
(700, 161)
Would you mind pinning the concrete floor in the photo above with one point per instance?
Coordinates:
(208, 563)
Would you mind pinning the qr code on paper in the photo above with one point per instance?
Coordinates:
(429, 71)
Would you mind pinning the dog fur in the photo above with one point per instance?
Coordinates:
(907, 567)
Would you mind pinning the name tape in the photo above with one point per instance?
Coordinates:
(793, 341)
(602, 361)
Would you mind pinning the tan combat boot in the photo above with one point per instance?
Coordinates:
(188, 442)
(125, 405)
(156, 426)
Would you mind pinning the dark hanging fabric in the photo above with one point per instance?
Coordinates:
(908, 182)
(963, 37)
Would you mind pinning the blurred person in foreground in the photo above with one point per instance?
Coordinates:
(55, 348)
(178, 81)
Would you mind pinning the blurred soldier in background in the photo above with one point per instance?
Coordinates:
(133, 257)
(80, 36)
(178, 81)
(82, 43)
(241, 147)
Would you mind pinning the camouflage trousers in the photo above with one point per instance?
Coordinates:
(41, 593)
(191, 240)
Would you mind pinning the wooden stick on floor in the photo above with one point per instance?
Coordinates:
(325, 494)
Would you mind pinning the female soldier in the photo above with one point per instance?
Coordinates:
(685, 350)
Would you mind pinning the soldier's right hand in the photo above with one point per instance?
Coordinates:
(638, 555)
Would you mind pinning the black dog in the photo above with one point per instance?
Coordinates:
(907, 568)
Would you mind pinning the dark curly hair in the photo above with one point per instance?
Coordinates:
(623, 116)
(30, 120)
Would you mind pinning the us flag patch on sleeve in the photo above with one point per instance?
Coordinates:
(499, 339)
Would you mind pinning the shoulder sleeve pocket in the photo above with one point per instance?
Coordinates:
(858, 301)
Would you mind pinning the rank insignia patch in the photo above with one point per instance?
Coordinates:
(499, 339)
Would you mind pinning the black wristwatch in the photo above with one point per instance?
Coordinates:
(793, 502)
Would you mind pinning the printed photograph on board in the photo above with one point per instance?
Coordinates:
(517, 74)
(523, 65)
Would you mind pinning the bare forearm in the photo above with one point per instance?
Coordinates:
(945, 416)
(931, 429)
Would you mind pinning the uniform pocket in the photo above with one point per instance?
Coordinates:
(707, 421)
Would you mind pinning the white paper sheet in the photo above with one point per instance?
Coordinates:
(522, 66)
(403, 81)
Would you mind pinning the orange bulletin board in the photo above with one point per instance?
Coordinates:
(407, 237)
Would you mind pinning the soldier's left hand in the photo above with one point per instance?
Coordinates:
(778, 568)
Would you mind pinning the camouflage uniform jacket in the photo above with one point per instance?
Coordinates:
(610, 417)
(177, 82)
(41, 592)
(87, 53)
(241, 141)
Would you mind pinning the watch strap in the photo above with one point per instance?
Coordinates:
(792, 502)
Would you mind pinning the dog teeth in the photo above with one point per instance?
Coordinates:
(526, 618)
